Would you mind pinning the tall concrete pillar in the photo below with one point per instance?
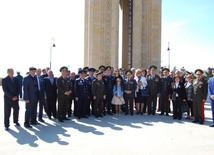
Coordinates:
(101, 33)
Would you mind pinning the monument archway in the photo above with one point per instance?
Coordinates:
(141, 33)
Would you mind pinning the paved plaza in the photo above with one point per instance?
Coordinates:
(134, 135)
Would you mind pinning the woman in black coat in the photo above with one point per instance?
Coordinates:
(178, 95)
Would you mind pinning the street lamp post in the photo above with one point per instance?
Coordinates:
(168, 56)
(52, 45)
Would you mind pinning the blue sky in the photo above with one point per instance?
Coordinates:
(27, 27)
(189, 27)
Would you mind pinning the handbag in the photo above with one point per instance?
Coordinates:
(145, 92)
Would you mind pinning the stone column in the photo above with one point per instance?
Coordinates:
(101, 33)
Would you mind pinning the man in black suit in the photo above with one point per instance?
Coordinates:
(31, 97)
(165, 91)
(51, 94)
(11, 90)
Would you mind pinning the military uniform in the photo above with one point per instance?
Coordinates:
(129, 85)
(82, 92)
(64, 85)
(108, 81)
(200, 90)
(165, 91)
(153, 86)
(99, 91)
(91, 101)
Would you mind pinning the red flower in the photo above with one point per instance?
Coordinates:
(116, 94)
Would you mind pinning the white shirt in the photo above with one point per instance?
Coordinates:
(144, 82)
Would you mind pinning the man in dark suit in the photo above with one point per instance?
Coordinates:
(20, 79)
(51, 94)
(90, 79)
(40, 80)
(31, 97)
(11, 90)
(64, 86)
(82, 95)
(153, 81)
(165, 91)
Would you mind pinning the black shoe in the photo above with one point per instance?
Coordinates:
(6, 128)
(174, 117)
(17, 124)
(85, 116)
(195, 121)
(141, 113)
(100, 115)
(69, 115)
(55, 117)
(126, 113)
(41, 120)
(138, 113)
(79, 117)
(96, 116)
(149, 113)
(153, 113)
(60, 120)
(167, 114)
(131, 114)
(201, 122)
(34, 123)
(161, 114)
(49, 117)
(66, 118)
(109, 113)
(212, 125)
(179, 118)
(27, 126)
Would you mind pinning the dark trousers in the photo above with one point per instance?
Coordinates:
(108, 104)
(91, 103)
(197, 110)
(190, 109)
(62, 106)
(177, 104)
(31, 111)
(164, 100)
(212, 107)
(152, 103)
(51, 106)
(41, 104)
(7, 112)
(82, 107)
(129, 103)
(97, 107)
(69, 106)
(20, 92)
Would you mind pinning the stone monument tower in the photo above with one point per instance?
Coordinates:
(141, 33)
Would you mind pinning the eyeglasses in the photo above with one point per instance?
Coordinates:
(118, 81)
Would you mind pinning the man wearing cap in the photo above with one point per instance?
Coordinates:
(129, 92)
(108, 81)
(200, 91)
(153, 85)
(99, 94)
(10, 86)
(165, 91)
(64, 86)
(101, 68)
(20, 79)
(31, 97)
(90, 79)
(82, 95)
(211, 95)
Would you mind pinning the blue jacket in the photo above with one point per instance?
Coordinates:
(30, 91)
(11, 89)
(82, 89)
(211, 87)
(118, 91)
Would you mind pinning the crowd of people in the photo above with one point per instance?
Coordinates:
(105, 91)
